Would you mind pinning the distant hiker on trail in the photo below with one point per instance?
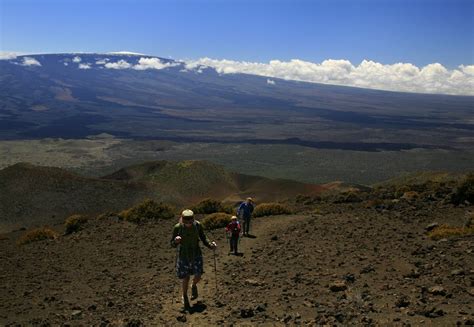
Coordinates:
(186, 236)
(245, 212)
(233, 233)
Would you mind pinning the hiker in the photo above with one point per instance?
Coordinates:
(186, 236)
(245, 212)
(233, 233)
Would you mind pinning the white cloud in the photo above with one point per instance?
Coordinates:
(102, 61)
(6, 55)
(121, 64)
(76, 59)
(404, 77)
(28, 61)
(65, 64)
(270, 81)
(153, 63)
(84, 66)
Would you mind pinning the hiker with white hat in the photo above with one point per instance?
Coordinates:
(233, 233)
(186, 236)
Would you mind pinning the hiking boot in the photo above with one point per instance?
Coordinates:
(194, 292)
(185, 302)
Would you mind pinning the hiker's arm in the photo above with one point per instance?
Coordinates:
(175, 233)
(204, 238)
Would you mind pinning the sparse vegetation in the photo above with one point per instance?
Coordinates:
(207, 206)
(74, 223)
(445, 231)
(38, 234)
(465, 191)
(271, 209)
(148, 210)
(216, 220)
(410, 195)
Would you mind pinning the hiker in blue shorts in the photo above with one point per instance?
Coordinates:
(186, 236)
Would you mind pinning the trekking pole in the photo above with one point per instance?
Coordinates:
(215, 268)
(175, 264)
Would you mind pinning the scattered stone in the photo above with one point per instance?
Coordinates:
(181, 318)
(433, 313)
(367, 269)
(337, 286)
(457, 272)
(261, 308)
(402, 302)
(431, 226)
(134, 323)
(92, 307)
(437, 290)
(414, 273)
(274, 238)
(247, 313)
(253, 282)
(76, 313)
(350, 278)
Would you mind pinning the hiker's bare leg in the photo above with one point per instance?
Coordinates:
(185, 285)
(196, 279)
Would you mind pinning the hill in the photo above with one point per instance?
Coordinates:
(369, 262)
(34, 195)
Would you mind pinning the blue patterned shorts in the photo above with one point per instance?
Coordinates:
(185, 268)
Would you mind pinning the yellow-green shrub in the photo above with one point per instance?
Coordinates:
(445, 231)
(410, 195)
(148, 210)
(464, 191)
(74, 223)
(270, 209)
(216, 220)
(38, 234)
(207, 206)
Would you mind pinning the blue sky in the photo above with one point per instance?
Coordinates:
(384, 31)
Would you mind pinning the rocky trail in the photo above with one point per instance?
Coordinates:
(339, 265)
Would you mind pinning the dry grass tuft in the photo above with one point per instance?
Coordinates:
(38, 234)
(148, 210)
(74, 223)
(271, 209)
(445, 231)
(216, 220)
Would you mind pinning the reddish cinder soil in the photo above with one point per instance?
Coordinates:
(345, 265)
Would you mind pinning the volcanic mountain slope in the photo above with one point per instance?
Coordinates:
(32, 195)
(145, 97)
(335, 264)
(192, 180)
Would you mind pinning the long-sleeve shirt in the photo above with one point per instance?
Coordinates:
(233, 227)
(245, 210)
(190, 236)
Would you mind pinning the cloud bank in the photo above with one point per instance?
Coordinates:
(28, 61)
(84, 66)
(6, 55)
(153, 63)
(143, 64)
(121, 64)
(404, 77)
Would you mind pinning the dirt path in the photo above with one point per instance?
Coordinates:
(215, 303)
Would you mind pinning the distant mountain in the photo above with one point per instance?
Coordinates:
(145, 97)
(33, 195)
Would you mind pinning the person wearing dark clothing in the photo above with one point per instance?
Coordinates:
(186, 236)
(233, 233)
(245, 212)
